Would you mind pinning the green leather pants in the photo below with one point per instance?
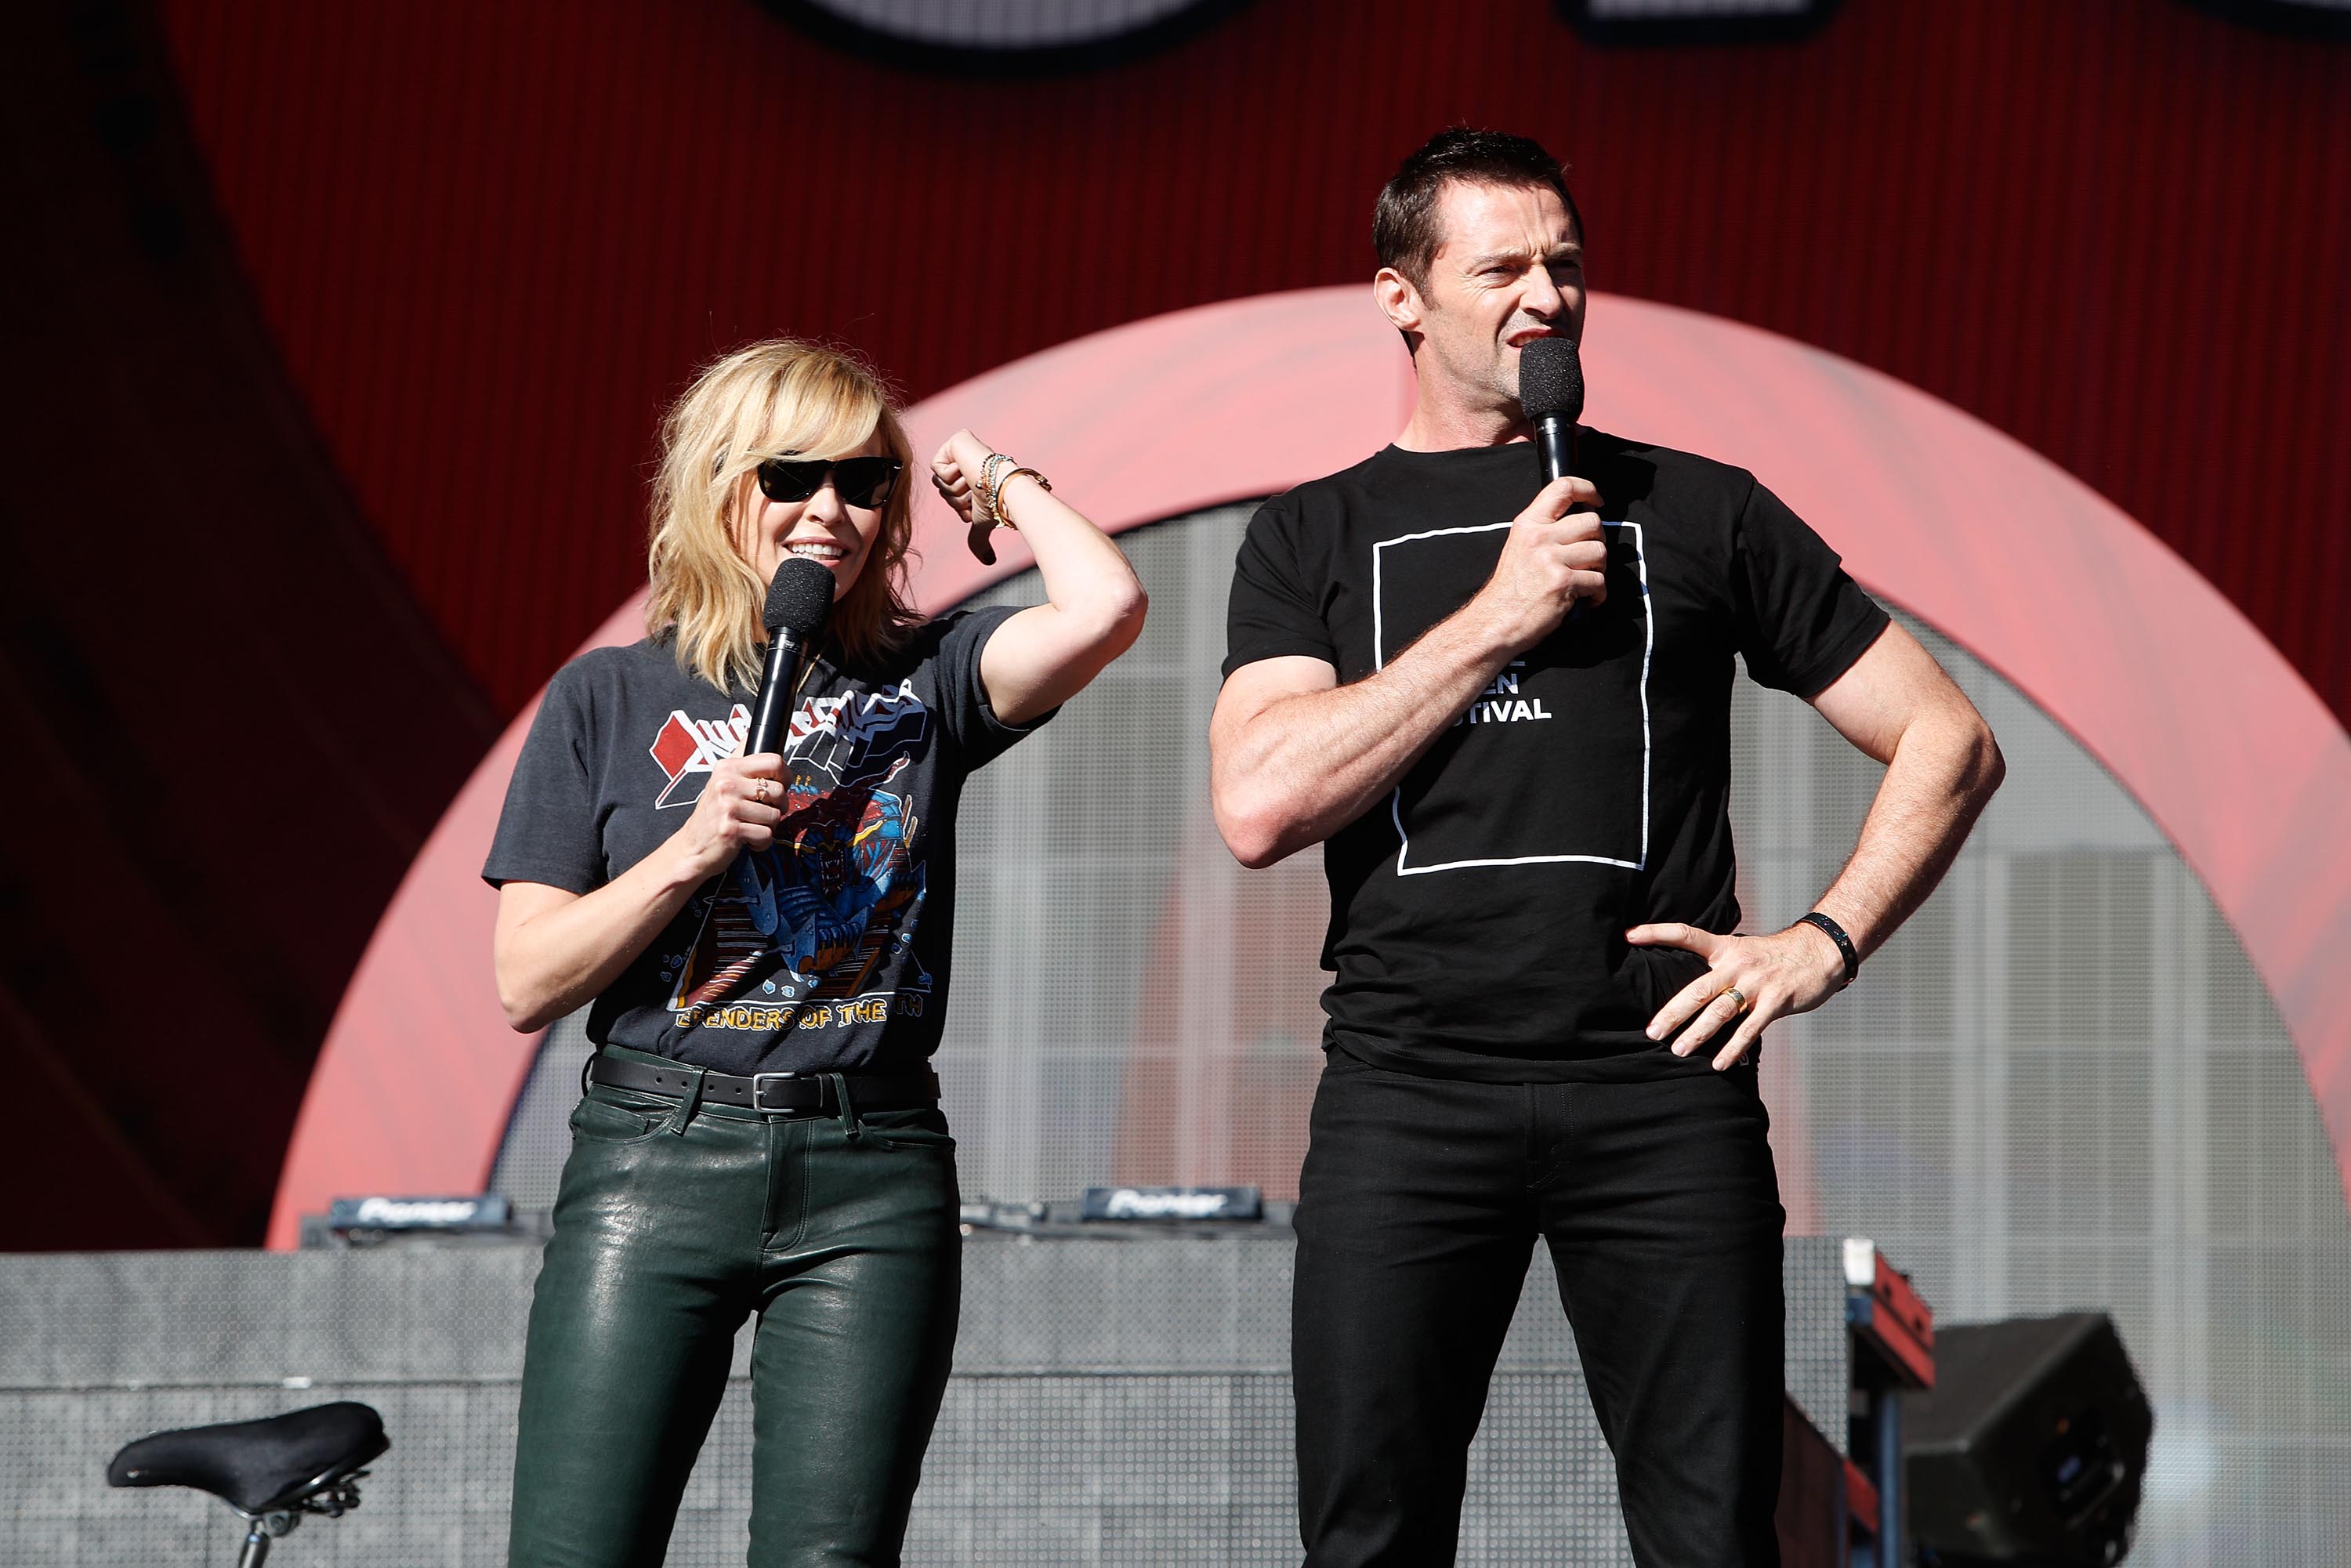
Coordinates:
(838, 1231)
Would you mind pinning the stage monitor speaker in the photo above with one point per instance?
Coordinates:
(2032, 1447)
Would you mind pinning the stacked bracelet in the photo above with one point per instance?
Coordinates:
(991, 481)
(994, 474)
(984, 501)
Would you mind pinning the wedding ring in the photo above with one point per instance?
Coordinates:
(1738, 999)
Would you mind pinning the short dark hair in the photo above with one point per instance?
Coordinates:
(1404, 223)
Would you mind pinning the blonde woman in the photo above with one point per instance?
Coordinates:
(760, 1132)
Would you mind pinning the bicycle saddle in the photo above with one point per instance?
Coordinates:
(257, 1467)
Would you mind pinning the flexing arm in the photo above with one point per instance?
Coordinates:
(1094, 605)
(555, 950)
(1293, 755)
(1941, 767)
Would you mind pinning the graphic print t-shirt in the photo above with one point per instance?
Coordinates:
(827, 953)
(1478, 913)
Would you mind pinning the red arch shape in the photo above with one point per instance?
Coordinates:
(2109, 631)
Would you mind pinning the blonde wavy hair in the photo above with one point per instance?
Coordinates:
(770, 398)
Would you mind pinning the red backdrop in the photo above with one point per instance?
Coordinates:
(346, 326)
(491, 238)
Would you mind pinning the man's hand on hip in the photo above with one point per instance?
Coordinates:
(1765, 978)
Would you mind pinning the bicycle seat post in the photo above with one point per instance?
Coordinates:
(265, 1526)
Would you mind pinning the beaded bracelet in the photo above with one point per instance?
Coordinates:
(991, 491)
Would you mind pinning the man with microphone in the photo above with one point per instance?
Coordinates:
(1502, 705)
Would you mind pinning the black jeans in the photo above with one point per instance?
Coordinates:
(1418, 1208)
(838, 1231)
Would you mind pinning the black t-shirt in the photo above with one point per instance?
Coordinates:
(827, 953)
(1477, 915)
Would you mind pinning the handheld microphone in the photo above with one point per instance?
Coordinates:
(1550, 389)
(800, 602)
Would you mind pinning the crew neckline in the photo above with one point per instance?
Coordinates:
(1454, 453)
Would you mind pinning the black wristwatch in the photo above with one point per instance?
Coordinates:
(1843, 942)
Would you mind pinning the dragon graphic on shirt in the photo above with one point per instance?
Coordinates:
(815, 916)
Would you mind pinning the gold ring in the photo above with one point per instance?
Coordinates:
(762, 796)
(1737, 1000)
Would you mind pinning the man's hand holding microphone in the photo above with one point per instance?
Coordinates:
(1553, 560)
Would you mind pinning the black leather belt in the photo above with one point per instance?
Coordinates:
(773, 1093)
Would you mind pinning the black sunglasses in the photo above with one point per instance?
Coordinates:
(862, 481)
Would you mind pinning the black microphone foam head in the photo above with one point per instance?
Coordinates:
(1550, 379)
(799, 597)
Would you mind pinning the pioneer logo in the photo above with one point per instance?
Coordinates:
(1173, 1203)
(483, 1213)
(395, 1211)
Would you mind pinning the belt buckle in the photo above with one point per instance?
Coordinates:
(758, 1095)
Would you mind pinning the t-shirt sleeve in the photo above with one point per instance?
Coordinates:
(971, 723)
(548, 831)
(1802, 622)
(1273, 613)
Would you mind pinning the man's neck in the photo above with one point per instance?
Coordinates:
(1440, 426)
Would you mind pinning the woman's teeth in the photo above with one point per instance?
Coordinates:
(815, 549)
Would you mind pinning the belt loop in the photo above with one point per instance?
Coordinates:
(689, 1103)
(850, 1127)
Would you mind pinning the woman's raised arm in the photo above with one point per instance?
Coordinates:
(1094, 606)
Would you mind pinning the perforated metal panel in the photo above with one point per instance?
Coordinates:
(1118, 1401)
(2060, 1086)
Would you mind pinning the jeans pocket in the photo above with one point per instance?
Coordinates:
(601, 1121)
(923, 1130)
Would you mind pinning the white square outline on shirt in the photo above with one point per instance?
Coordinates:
(1648, 648)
